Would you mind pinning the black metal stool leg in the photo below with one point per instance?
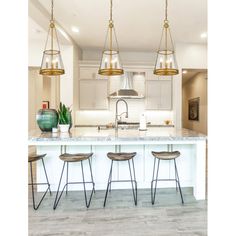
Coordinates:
(154, 197)
(136, 188)
(178, 182)
(57, 199)
(32, 182)
(90, 167)
(67, 173)
(85, 195)
(153, 173)
(46, 177)
(132, 184)
(108, 182)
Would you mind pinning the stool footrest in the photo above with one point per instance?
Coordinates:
(117, 181)
(165, 180)
(39, 184)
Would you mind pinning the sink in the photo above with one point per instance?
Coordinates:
(122, 125)
(128, 126)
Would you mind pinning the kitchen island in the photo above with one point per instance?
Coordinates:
(191, 164)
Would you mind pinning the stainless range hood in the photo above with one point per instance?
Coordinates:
(126, 89)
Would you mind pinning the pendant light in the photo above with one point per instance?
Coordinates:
(110, 63)
(166, 62)
(52, 64)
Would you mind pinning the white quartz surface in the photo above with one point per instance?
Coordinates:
(93, 134)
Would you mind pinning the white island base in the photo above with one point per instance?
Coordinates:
(191, 164)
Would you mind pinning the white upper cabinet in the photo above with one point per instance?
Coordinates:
(93, 94)
(151, 76)
(159, 95)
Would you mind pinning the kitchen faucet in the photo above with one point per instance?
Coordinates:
(117, 116)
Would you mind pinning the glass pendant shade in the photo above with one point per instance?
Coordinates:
(52, 64)
(110, 63)
(166, 64)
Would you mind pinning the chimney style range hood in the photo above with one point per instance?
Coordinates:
(126, 89)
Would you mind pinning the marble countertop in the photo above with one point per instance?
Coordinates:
(92, 134)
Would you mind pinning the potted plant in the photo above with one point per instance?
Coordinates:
(65, 121)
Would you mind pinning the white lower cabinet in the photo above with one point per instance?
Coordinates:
(93, 94)
(158, 95)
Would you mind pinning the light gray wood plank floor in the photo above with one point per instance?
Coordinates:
(168, 217)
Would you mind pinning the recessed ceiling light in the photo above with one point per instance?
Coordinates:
(185, 72)
(75, 29)
(203, 35)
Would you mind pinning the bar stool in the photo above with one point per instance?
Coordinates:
(122, 156)
(165, 156)
(32, 158)
(70, 158)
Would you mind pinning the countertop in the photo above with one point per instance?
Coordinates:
(92, 134)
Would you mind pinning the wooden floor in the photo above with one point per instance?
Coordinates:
(168, 217)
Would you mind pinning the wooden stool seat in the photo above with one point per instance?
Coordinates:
(35, 157)
(75, 157)
(166, 155)
(121, 156)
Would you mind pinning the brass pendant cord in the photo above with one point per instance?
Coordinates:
(166, 10)
(52, 25)
(52, 6)
(166, 27)
(111, 5)
(111, 26)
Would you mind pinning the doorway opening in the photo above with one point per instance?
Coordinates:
(194, 100)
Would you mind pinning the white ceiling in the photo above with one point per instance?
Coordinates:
(35, 31)
(138, 22)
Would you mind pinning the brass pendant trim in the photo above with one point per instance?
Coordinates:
(166, 71)
(111, 72)
(52, 72)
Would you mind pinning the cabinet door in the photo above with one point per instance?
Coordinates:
(153, 99)
(93, 94)
(86, 95)
(166, 95)
(101, 93)
(159, 95)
